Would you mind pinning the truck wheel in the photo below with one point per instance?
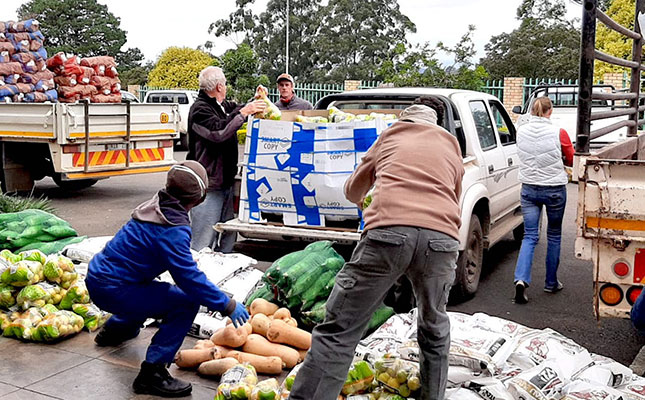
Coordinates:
(183, 141)
(73, 185)
(469, 263)
(518, 233)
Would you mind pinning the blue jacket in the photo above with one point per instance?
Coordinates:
(156, 240)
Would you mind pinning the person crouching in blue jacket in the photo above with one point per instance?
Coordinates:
(121, 279)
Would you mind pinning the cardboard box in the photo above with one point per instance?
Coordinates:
(299, 170)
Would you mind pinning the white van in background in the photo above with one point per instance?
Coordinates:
(185, 100)
(565, 111)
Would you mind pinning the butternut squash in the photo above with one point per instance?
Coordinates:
(303, 354)
(246, 325)
(282, 313)
(191, 358)
(204, 344)
(291, 321)
(280, 332)
(258, 344)
(263, 306)
(263, 365)
(217, 367)
(229, 336)
(260, 324)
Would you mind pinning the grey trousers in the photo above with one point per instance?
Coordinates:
(428, 258)
(218, 207)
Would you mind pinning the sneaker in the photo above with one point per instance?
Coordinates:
(555, 289)
(113, 337)
(155, 379)
(520, 292)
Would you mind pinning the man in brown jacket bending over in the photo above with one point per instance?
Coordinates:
(411, 229)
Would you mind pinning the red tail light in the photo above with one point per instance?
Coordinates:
(633, 293)
(621, 268)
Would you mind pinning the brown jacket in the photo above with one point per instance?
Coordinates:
(416, 170)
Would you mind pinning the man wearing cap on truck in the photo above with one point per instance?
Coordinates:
(288, 99)
(411, 229)
(121, 279)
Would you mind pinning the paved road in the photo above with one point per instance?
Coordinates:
(103, 208)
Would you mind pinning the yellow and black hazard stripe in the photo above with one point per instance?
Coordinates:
(111, 157)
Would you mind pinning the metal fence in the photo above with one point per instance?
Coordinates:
(494, 87)
(312, 92)
(145, 89)
(531, 84)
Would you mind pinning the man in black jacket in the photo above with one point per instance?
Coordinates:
(212, 141)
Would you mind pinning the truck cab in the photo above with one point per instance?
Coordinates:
(490, 197)
(565, 111)
(184, 100)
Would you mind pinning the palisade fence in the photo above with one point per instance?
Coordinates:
(313, 92)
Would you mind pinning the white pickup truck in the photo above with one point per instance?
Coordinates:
(490, 199)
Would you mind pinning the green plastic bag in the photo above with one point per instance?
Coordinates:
(76, 294)
(58, 325)
(53, 247)
(60, 269)
(22, 273)
(39, 295)
(7, 295)
(93, 317)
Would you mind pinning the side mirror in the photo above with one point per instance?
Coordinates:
(517, 110)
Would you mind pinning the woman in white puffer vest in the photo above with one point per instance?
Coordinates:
(543, 149)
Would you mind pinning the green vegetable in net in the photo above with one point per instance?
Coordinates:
(9, 256)
(359, 378)
(7, 296)
(33, 255)
(23, 326)
(93, 317)
(237, 382)
(60, 269)
(59, 325)
(61, 231)
(268, 389)
(22, 273)
(53, 247)
(76, 294)
(39, 295)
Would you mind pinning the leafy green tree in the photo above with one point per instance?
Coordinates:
(240, 66)
(345, 39)
(612, 42)
(266, 34)
(179, 67)
(545, 45)
(356, 36)
(136, 75)
(418, 66)
(82, 27)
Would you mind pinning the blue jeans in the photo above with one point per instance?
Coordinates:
(428, 258)
(554, 198)
(132, 304)
(218, 207)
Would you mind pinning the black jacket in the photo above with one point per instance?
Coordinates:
(212, 139)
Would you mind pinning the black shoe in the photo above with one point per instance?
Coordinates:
(555, 289)
(113, 337)
(520, 293)
(156, 380)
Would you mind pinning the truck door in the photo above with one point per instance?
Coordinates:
(493, 164)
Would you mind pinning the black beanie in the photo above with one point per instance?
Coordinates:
(188, 183)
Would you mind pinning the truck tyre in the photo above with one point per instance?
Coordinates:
(469, 263)
(518, 233)
(73, 185)
(183, 141)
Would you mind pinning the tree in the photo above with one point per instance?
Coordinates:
(240, 66)
(545, 45)
(419, 67)
(136, 75)
(82, 27)
(612, 42)
(346, 39)
(266, 34)
(179, 67)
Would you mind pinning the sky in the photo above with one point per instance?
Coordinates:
(153, 26)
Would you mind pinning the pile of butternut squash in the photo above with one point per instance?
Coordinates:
(270, 341)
